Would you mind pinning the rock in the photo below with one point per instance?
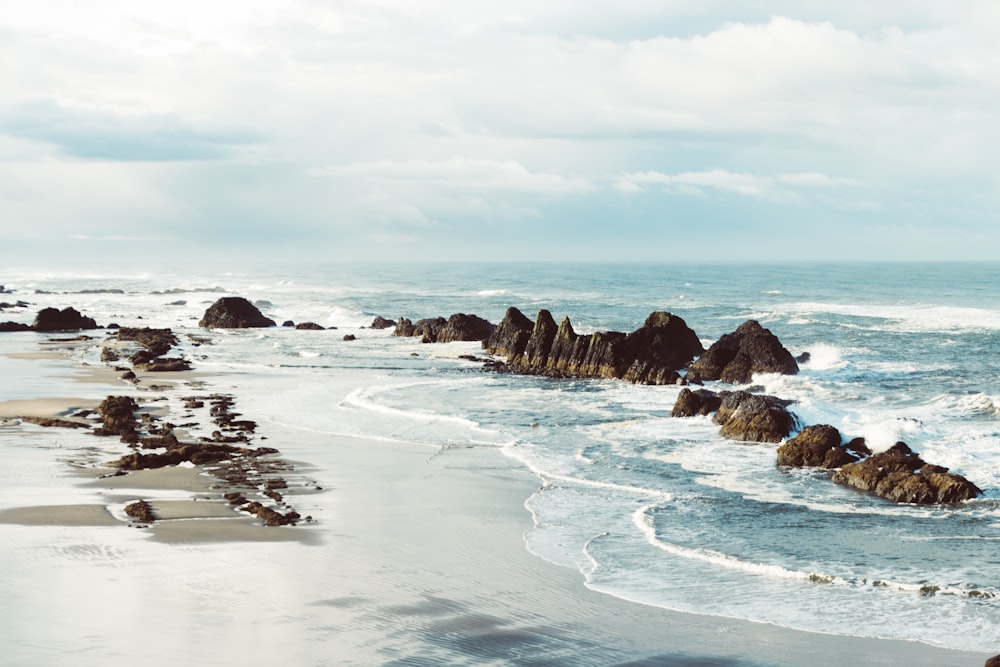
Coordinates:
(816, 446)
(650, 355)
(462, 327)
(234, 312)
(349, 337)
(156, 342)
(67, 319)
(164, 365)
(14, 326)
(54, 421)
(141, 511)
(404, 328)
(272, 517)
(118, 418)
(311, 326)
(698, 402)
(900, 475)
(753, 417)
(993, 662)
(736, 356)
(288, 323)
(382, 323)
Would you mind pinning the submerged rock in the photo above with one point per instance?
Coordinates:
(736, 356)
(651, 354)
(234, 312)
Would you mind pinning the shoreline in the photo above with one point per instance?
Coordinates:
(417, 555)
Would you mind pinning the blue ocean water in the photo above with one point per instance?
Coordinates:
(648, 508)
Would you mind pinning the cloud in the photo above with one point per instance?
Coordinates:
(107, 136)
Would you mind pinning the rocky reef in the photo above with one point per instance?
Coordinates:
(651, 354)
(53, 319)
(742, 415)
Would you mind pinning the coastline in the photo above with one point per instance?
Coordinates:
(417, 557)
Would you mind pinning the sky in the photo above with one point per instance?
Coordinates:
(538, 130)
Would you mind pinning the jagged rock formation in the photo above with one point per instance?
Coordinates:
(900, 475)
(14, 326)
(382, 323)
(154, 344)
(736, 356)
(67, 319)
(141, 511)
(234, 312)
(651, 354)
(458, 327)
(816, 446)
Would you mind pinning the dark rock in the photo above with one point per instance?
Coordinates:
(181, 302)
(155, 342)
(272, 517)
(118, 418)
(234, 312)
(382, 323)
(736, 356)
(859, 447)
(350, 337)
(900, 475)
(649, 355)
(511, 336)
(109, 355)
(141, 511)
(165, 365)
(14, 326)
(754, 417)
(993, 662)
(288, 323)
(428, 328)
(312, 326)
(404, 328)
(815, 446)
(803, 358)
(698, 402)
(462, 327)
(67, 319)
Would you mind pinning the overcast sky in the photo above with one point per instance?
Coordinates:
(522, 129)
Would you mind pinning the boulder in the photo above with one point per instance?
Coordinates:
(67, 319)
(651, 354)
(900, 475)
(736, 356)
(753, 417)
(816, 446)
(382, 323)
(141, 511)
(311, 326)
(698, 402)
(462, 327)
(350, 337)
(993, 662)
(14, 326)
(234, 312)
(118, 418)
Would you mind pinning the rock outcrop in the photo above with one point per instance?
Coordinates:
(900, 475)
(310, 326)
(234, 312)
(14, 326)
(67, 319)
(741, 415)
(818, 446)
(382, 323)
(754, 417)
(651, 354)
(736, 356)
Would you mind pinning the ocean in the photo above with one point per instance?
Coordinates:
(647, 508)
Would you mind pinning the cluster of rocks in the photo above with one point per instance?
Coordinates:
(151, 345)
(897, 474)
(458, 327)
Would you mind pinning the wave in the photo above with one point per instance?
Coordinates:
(643, 520)
(910, 318)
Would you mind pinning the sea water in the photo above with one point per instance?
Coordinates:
(648, 508)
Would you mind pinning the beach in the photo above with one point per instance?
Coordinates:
(417, 556)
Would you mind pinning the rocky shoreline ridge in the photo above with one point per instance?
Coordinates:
(242, 468)
(657, 353)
